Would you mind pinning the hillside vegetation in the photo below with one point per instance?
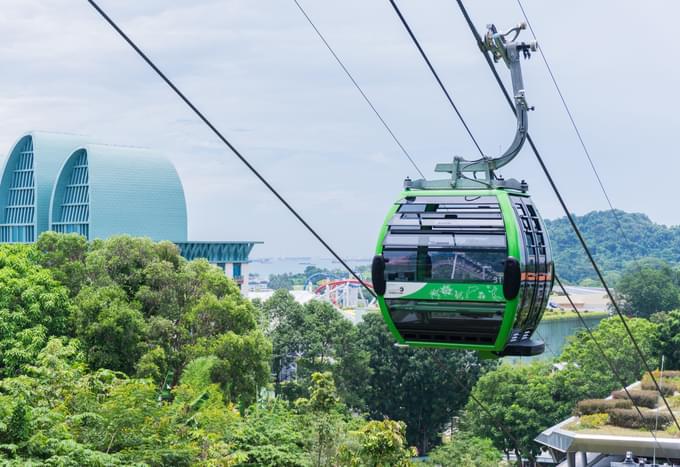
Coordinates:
(644, 239)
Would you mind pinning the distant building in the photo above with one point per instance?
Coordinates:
(67, 184)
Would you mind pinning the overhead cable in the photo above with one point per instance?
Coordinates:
(252, 169)
(606, 358)
(222, 138)
(435, 74)
(567, 212)
(356, 85)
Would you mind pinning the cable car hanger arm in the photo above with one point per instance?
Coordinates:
(507, 49)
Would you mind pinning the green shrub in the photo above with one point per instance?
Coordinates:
(595, 406)
(667, 388)
(666, 374)
(595, 420)
(630, 418)
(641, 398)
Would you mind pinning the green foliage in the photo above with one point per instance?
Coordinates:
(630, 418)
(422, 387)
(595, 406)
(120, 352)
(112, 329)
(316, 338)
(144, 310)
(33, 306)
(641, 398)
(271, 437)
(464, 449)
(377, 444)
(649, 286)
(601, 231)
(588, 376)
(527, 399)
(323, 413)
(243, 365)
(669, 336)
(64, 255)
(594, 420)
(281, 281)
(521, 398)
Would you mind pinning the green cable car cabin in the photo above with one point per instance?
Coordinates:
(464, 269)
(465, 262)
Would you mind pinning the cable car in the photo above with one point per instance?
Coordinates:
(465, 262)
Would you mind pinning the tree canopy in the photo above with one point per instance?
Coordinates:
(644, 239)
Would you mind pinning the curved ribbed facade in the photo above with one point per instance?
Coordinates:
(26, 184)
(63, 183)
(107, 190)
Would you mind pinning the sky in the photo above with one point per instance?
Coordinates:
(259, 72)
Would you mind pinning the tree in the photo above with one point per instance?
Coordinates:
(464, 449)
(378, 444)
(271, 436)
(314, 337)
(280, 281)
(112, 330)
(59, 413)
(518, 397)
(64, 255)
(323, 413)
(649, 286)
(145, 310)
(33, 306)
(601, 230)
(669, 336)
(420, 387)
(588, 375)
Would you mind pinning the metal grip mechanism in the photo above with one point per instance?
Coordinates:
(503, 47)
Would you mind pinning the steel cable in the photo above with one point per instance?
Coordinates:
(575, 227)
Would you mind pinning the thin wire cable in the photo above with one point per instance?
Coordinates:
(245, 161)
(547, 346)
(604, 355)
(233, 149)
(356, 85)
(612, 209)
(436, 75)
(567, 212)
(566, 107)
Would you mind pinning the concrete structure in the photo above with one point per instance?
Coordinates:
(232, 257)
(572, 448)
(67, 184)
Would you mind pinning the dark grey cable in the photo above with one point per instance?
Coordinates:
(567, 212)
(356, 85)
(233, 149)
(604, 355)
(435, 74)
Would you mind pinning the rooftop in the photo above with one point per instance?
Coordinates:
(571, 435)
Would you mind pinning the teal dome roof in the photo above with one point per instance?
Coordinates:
(107, 190)
(26, 183)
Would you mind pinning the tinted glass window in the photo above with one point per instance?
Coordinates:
(467, 266)
(480, 241)
(400, 265)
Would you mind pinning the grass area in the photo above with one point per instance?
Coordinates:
(556, 315)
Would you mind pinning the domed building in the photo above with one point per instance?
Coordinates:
(68, 184)
(102, 191)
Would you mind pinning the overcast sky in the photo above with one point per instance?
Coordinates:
(257, 69)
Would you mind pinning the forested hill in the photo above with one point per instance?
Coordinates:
(643, 239)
